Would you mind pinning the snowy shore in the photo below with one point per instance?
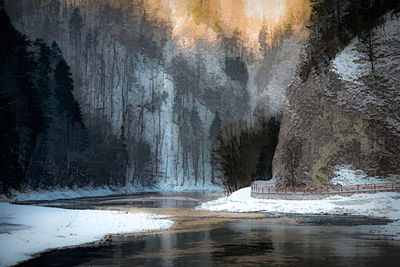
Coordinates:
(26, 230)
(67, 193)
(379, 205)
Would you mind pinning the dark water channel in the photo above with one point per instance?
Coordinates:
(142, 200)
(315, 241)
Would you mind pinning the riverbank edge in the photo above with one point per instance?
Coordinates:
(43, 229)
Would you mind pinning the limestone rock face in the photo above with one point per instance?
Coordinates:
(348, 114)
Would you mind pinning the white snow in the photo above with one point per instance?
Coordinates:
(68, 193)
(385, 204)
(351, 64)
(45, 228)
(346, 176)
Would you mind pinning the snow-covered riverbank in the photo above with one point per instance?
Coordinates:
(68, 193)
(379, 205)
(25, 230)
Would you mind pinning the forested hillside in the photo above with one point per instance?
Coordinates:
(182, 94)
(42, 135)
(153, 78)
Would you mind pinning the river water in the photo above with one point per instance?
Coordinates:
(201, 238)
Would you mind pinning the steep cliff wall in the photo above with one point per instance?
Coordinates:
(137, 84)
(346, 114)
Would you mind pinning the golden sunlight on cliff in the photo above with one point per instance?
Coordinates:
(251, 21)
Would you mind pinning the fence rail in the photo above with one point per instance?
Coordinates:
(258, 188)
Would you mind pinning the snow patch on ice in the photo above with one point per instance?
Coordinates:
(47, 228)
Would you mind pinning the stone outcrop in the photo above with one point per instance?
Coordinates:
(333, 118)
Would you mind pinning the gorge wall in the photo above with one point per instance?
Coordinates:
(344, 113)
(152, 75)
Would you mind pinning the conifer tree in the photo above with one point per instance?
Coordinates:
(63, 89)
(55, 54)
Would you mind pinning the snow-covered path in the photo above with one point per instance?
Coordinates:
(45, 228)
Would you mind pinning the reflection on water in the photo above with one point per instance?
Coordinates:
(246, 242)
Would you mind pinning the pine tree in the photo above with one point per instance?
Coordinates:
(362, 22)
(55, 54)
(21, 114)
(43, 81)
(63, 89)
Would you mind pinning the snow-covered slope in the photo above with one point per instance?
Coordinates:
(346, 176)
(352, 63)
(35, 229)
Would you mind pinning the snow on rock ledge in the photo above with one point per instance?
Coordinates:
(351, 64)
(41, 228)
(345, 176)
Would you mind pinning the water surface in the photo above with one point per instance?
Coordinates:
(245, 242)
(202, 238)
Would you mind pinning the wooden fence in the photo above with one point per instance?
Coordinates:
(262, 191)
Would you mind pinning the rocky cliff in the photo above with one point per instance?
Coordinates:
(144, 83)
(346, 113)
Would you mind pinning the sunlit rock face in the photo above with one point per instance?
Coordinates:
(153, 73)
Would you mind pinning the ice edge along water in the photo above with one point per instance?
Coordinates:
(35, 229)
(68, 193)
